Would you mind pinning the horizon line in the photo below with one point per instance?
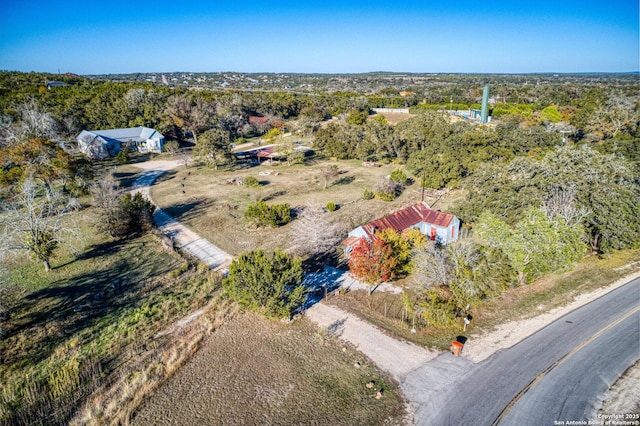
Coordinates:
(338, 73)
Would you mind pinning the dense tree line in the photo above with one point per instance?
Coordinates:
(507, 169)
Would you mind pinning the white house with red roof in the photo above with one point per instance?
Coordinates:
(436, 225)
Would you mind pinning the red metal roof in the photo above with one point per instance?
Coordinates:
(257, 119)
(407, 217)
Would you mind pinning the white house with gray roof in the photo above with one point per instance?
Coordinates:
(104, 143)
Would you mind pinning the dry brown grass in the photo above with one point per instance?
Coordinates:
(214, 208)
(257, 371)
(150, 365)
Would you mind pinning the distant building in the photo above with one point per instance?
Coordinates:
(436, 225)
(53, 84)
(254, 119)
(104, 143)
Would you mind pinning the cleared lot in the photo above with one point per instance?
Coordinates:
(256, 371)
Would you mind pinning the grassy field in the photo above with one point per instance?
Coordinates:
(85, 343)
(258, 371)
(204, 200)
(387, 310)
(65, 333)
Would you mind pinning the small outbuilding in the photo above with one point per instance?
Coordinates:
(104, 143)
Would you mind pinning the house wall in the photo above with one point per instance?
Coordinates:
(444, 235)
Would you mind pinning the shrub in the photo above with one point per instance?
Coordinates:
(399, 177)
(122, 157)
(251, 182)
(387, 189)
(367, 194)
(267, 282)
(133, 214)
(261, 214)
(171, 147)
(331, 206)
(385, 196)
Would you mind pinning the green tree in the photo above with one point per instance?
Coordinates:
(193, 115)
(272, 135)
(400, 177)
(536, 244)
(135, 214)
(120, 215)
(458, 275)
(603, 185)
(551, 114)
(260, 213)
(270, 283)
(357, 117)
(214, 148)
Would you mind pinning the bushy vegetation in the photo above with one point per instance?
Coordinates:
(262, 214)
(270, 283)
(386, 257)
(120, 214)
(536, 244)
(598, 191)
(251, 182)
(399, 177)
(529, 201)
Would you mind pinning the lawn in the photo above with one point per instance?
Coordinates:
(204, 200)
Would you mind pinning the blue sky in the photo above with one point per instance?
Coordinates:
(90, 37)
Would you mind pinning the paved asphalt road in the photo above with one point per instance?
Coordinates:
(567, 392)
(566, 366)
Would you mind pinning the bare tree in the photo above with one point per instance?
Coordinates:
(105, 198)
(432, 267)
(35, 123)
(314, 232)
(171, 147)
(329, 172)
(562, 202)
(34, 223)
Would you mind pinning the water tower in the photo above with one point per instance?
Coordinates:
(485, 105)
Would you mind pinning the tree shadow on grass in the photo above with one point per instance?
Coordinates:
(167, 176)
(126, 179)
(86, 302)
(188, 210)
(344, 180)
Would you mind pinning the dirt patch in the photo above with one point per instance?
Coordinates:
(394, 118)
(623, 397)
(254, 371)
(396, 357)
